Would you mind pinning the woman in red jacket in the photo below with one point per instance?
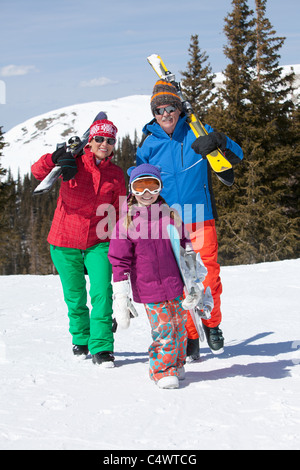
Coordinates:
(87, 209)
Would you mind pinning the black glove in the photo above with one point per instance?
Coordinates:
(66, 161)
(207, 143)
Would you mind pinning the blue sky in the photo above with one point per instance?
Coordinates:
(62, 52)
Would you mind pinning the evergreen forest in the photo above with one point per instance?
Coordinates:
(258, 217)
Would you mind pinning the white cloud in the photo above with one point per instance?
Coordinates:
(13, 70)
(101, 81)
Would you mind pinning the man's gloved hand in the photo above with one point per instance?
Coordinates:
(122, 305)
(66, 161)
(207, 143)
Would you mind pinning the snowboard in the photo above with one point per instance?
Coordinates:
(75, 145)
(218, 162)
(193, 273)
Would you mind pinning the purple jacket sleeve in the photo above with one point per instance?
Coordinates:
(120, 255)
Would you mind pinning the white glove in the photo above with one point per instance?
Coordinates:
(122, 305)
(192, 298)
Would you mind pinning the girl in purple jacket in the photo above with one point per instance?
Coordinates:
(141, 254)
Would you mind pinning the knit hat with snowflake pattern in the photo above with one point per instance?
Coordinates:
(103, 127)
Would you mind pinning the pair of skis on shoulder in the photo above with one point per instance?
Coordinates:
(193, 273)
(218, 162)
(76, 146)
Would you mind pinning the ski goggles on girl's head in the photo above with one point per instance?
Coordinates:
(99, 139)
(141, 185)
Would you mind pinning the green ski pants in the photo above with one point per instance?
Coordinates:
(95, 329)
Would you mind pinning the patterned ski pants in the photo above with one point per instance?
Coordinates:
(167, 353)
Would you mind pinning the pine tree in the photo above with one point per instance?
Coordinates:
(254, 225)
(198, 81)
(40, 214)
(240, 51)
(125, 154)
(8, 237)
(32, 217)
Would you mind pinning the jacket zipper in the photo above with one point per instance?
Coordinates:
(206, 194)
(182, 154)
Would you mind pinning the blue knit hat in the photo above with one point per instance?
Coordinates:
(145, 169)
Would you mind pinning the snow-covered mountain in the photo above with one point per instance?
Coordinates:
(36, 136)
(29, 140)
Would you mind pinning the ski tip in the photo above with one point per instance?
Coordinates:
(100, 116)
(153, 56)
(226, 177)
(36, 192)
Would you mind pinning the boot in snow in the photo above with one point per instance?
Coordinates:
(168, 382)
(214, 338)
(193, 350)
(104, 358)
(79, 350)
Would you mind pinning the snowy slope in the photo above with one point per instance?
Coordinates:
(248, 398)
(36, 136)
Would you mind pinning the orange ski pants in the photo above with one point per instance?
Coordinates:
(204, 239)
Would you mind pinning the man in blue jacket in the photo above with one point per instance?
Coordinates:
(170, 144)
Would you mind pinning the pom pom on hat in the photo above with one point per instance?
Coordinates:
(103, 127)
(164, 93)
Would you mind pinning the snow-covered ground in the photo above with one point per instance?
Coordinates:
(248, 398)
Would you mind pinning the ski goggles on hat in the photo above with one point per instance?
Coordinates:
(141, 185)
(169, 109)
(99, 139)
